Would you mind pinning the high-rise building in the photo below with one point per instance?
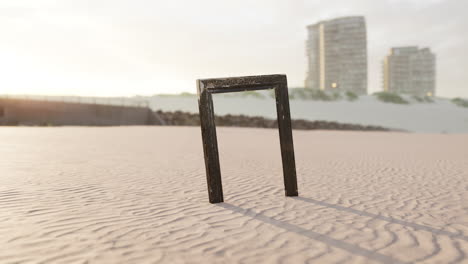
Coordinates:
(410, 70)
(337, 55)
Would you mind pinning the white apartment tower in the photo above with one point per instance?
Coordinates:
(410, 70)
(337, 55)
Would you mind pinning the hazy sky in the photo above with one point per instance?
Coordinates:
(129, 47)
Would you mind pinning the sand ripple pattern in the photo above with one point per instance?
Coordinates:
(138, 195)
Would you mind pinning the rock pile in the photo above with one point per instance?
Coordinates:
(180, 118)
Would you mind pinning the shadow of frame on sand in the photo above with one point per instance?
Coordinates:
(432, 230)
(353, 249)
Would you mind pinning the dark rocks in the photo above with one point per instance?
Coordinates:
(179, 118)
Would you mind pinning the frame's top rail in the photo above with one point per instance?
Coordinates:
(232, 89)
(237, 84)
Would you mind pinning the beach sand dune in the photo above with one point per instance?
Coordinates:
(139, 195)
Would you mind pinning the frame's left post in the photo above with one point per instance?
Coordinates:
(210, 144)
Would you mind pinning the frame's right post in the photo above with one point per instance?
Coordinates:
(286, 140)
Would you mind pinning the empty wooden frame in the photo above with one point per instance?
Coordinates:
(206, 87)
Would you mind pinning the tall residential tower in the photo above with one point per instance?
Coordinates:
(410, 70)
(337, 55)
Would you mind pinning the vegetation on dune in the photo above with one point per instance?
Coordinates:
(297, 93)
(329, 96)
(183, 94)
(460, 102)
(320, 95)
(423, 99)
(336, 96)
(312, 94)
(294, 94)
(388, 97)
(351, 96)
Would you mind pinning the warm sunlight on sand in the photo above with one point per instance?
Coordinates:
(138, 194)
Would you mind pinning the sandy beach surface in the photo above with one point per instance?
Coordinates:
(139, 195)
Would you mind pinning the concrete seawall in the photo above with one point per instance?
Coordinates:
(36, 112)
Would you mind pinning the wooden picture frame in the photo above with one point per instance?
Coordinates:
(207, 87)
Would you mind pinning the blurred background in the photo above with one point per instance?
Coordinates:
(391, 63)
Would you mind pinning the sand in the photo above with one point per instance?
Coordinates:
(138, 195)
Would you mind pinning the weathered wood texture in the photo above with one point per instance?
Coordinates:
(210, 143)
(210, 146)
(286, 139)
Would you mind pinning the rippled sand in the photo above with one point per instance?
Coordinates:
(138, 195)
